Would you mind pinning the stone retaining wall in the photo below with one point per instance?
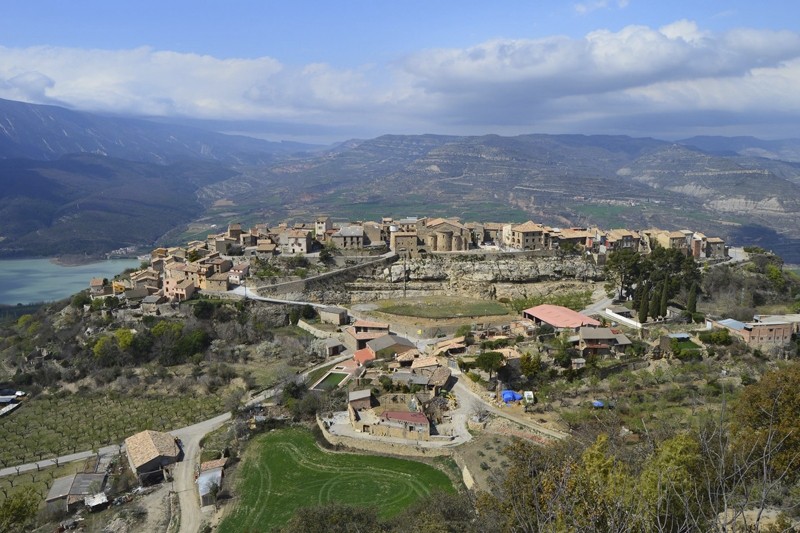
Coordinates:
(388, 448)
(623, 320)
(466, 475)
(318, 333)
(323, 281)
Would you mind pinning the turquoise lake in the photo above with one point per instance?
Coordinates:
(40, 280)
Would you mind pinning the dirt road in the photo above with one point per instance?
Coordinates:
(462, 389)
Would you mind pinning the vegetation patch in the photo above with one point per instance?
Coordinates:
(443, 307)
(286, 471)
(49, 426)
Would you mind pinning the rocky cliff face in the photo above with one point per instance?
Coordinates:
(480, 276)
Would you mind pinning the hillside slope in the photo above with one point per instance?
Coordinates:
(87, 204)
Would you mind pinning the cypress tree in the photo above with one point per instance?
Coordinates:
(662, 308)
(655, 302)
(643, 307)
(691, 303)
(637, 294)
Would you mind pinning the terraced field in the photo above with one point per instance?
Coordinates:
(285, 470)
(440, 307)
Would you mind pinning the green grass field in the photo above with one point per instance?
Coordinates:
(444, 307)
(687, 345)
(285, 470)
(331, 381)
(314, 375)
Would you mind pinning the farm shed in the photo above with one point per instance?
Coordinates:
(208, 484)
(360, 399)
(68, 492)
(333, 315)
(559, 317)
(333, 347)
(149, 452)
(97, 502)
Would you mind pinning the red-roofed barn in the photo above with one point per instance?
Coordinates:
(558, 317)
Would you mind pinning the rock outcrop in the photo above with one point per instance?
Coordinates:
(470, 275)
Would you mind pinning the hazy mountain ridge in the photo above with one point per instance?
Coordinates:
(88, 204)
(781, 149)
(49, 132)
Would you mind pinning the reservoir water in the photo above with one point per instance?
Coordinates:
(40, 280)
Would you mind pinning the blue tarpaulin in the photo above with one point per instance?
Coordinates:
(511, 396)
(597, 403)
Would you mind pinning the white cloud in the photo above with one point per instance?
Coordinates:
(607, 80)
(678, 67)
(584, 8)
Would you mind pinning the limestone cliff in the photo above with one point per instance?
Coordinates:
(471, 275)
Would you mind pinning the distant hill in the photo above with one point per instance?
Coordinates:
(783, 149)
(48, 132)
(88, 204)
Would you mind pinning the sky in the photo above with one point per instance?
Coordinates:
(331, 71)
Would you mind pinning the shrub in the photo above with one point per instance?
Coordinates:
(675, 394)
(719, 337)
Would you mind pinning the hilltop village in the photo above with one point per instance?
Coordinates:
(226, 259)
(238, 260)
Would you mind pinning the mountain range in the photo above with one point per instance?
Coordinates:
(49, 132)
(67, 173)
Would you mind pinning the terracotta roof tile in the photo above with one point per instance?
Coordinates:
(145, 446)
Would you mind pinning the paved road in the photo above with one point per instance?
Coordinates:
(252, 295)
(184, 471)
(597, 308)
(106, 450)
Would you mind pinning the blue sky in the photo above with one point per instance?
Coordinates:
(325, 71)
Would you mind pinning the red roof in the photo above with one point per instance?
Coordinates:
(559, 317)
(363, 355)
(403, 416)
